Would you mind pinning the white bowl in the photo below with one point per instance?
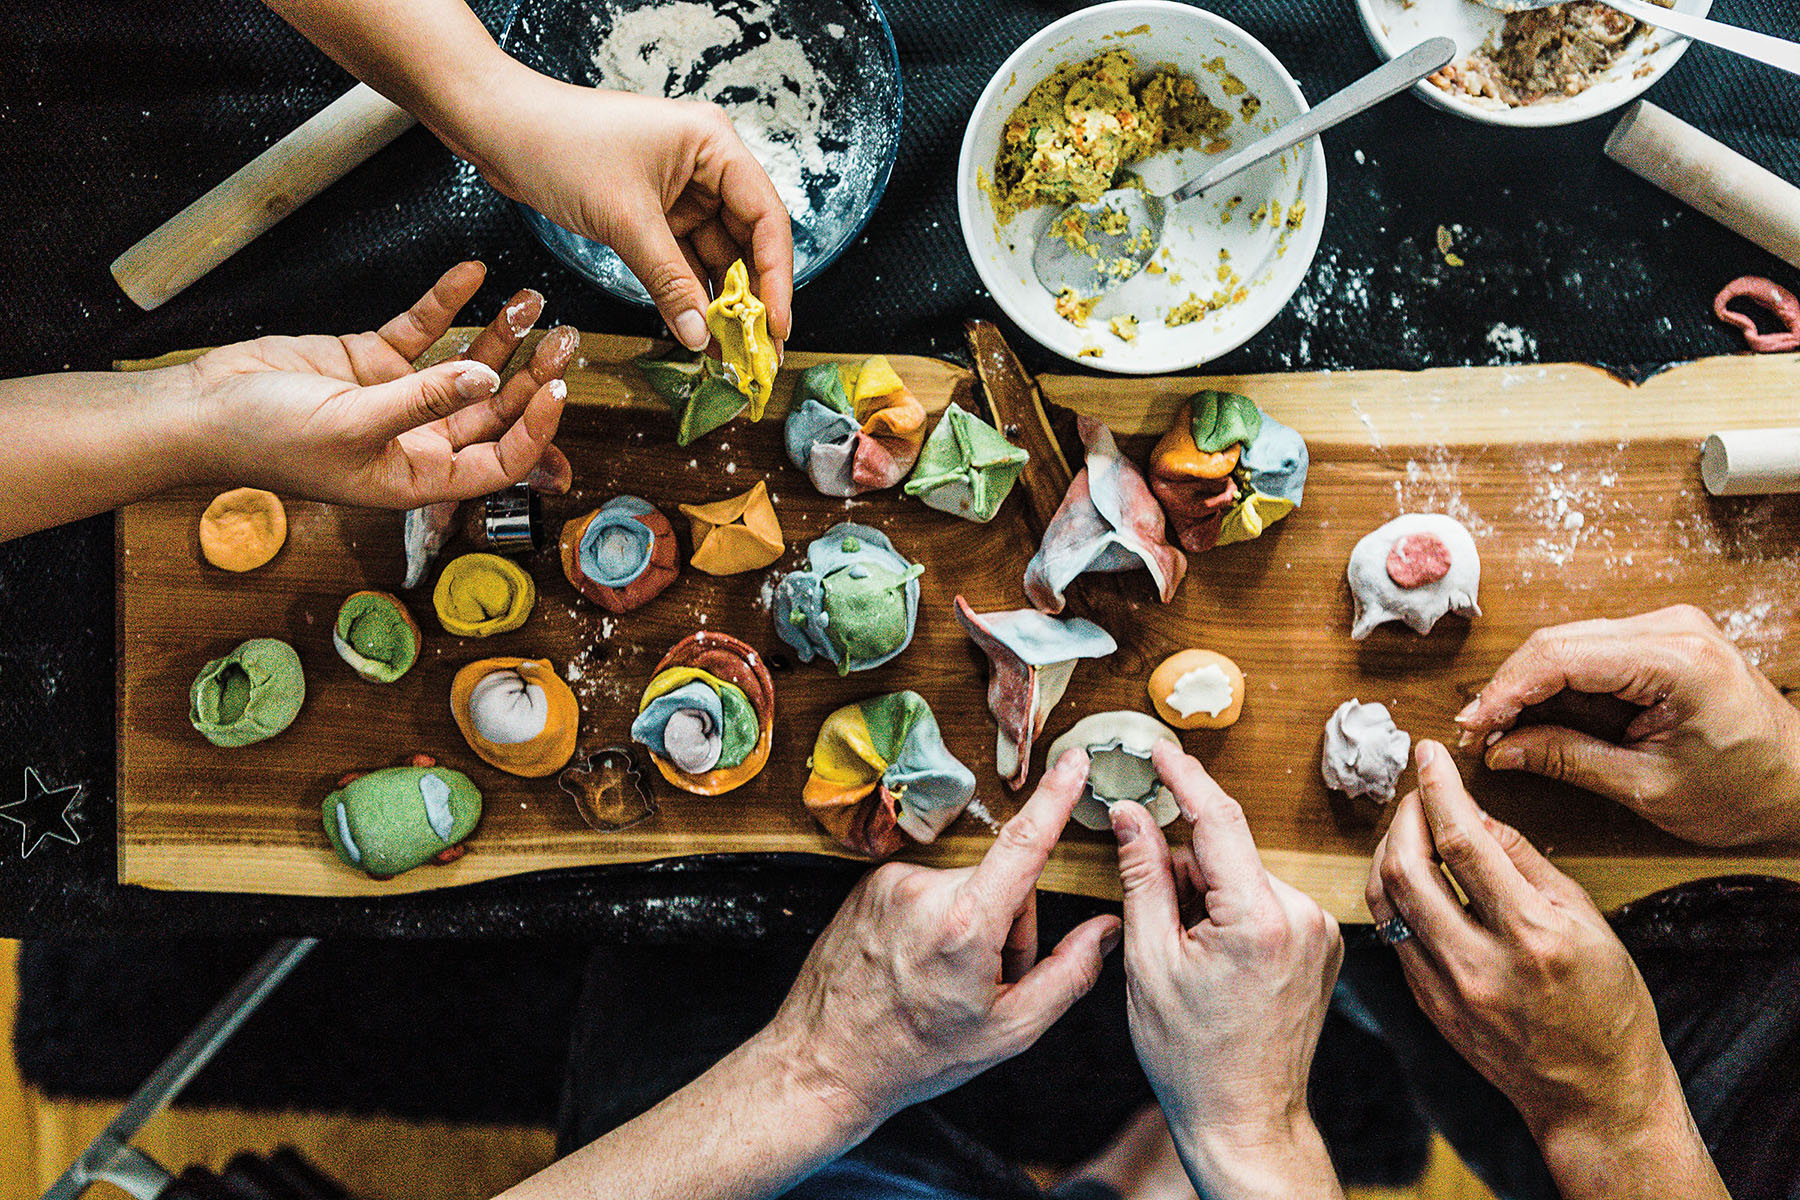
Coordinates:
(1270, 261)
(1395, 26)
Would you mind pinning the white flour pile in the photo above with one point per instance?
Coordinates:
(762, 79)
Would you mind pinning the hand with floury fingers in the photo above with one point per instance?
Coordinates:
(1230, 973)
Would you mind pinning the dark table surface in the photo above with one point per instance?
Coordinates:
(113, 118)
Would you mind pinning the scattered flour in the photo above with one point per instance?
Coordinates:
(980, 812)
(775, 99)
(1512, 342)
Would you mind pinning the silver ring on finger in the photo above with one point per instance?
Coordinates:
(1393, 931)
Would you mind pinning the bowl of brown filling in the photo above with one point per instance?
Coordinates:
(1546, 66)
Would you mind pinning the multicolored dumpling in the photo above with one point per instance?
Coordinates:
(1108, 521)
(882, 777)
(1226, 471)
(967, 467)
(377, 636)
(1030, 659)
(708, 716)
(389, 821)
(621, 555)
(517, 714)
(705, 393)
(854, 427)
(854, 604)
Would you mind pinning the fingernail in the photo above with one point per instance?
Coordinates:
(475, 379)
(690, 329)
(1423, 753)
(558, 389)
(1465, 739)
(1505, 758)
(1110, 941)
(1123, 827)
(1468, 710)
(1493, 737)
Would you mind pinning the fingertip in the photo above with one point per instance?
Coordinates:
(689, 328)
(1073, 759)
(1124, 821)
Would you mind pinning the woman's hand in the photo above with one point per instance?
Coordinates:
(1531, 986)
(926, 978)
(1230, 973)
(1714, 758)
(348, 420)
(668, 184)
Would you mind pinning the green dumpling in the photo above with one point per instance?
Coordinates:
(252, 693)
(697, 391)
(398, 818)
(967, 467)
(376, 636)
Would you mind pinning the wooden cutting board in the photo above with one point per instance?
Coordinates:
(1582, 491)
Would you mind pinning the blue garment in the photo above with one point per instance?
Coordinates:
(852, 1179)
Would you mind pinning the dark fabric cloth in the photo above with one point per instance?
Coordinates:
(652, 1020)
(1724, 969)
(426, 1029)
(119, 113)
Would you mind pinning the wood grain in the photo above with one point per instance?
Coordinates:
(1583, 493)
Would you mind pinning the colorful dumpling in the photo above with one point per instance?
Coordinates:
(389, 821)
(739, 534)
(854, 427)
(479, 595)
(854, 604)
(621, 555)
(967, 467)
(703, 392)
(708, 716)
(377, 636)
(881, 776)
(252, 693)
(739, 322)
(1108, 521)
(517, 714)
(1030, 659)
(697, 391)
(1226, 471)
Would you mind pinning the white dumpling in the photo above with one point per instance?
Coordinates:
(507, 709)
(1414, 569)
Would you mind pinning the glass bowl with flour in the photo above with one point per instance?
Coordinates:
(812, 86)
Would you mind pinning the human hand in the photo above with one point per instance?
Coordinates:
(1230, 973)
(348, 420)
(1715, 756)
(926, 978)
(668, 184)
(1530, 985)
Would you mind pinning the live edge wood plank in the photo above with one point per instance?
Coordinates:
(1582, 491)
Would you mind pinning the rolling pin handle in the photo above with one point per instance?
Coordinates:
(337, 139)
(1751, 462)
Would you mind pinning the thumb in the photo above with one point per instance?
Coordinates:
(413, 400)
(1051, 988)
(1538, 871)
(649, 248)
(1152, 909)
(1576, 758)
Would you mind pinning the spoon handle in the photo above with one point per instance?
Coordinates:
(1388, 80)
(1776, 52)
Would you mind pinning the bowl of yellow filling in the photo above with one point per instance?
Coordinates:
(1143, 92)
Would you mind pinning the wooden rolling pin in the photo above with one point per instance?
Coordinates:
(340, 137)
(1694, 167)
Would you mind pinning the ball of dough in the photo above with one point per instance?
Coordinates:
(1414, 569)
(1197, 689)
(242, 529)
(1365, 752)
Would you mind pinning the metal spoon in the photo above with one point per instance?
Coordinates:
(1099, 260)
(1776, 52)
